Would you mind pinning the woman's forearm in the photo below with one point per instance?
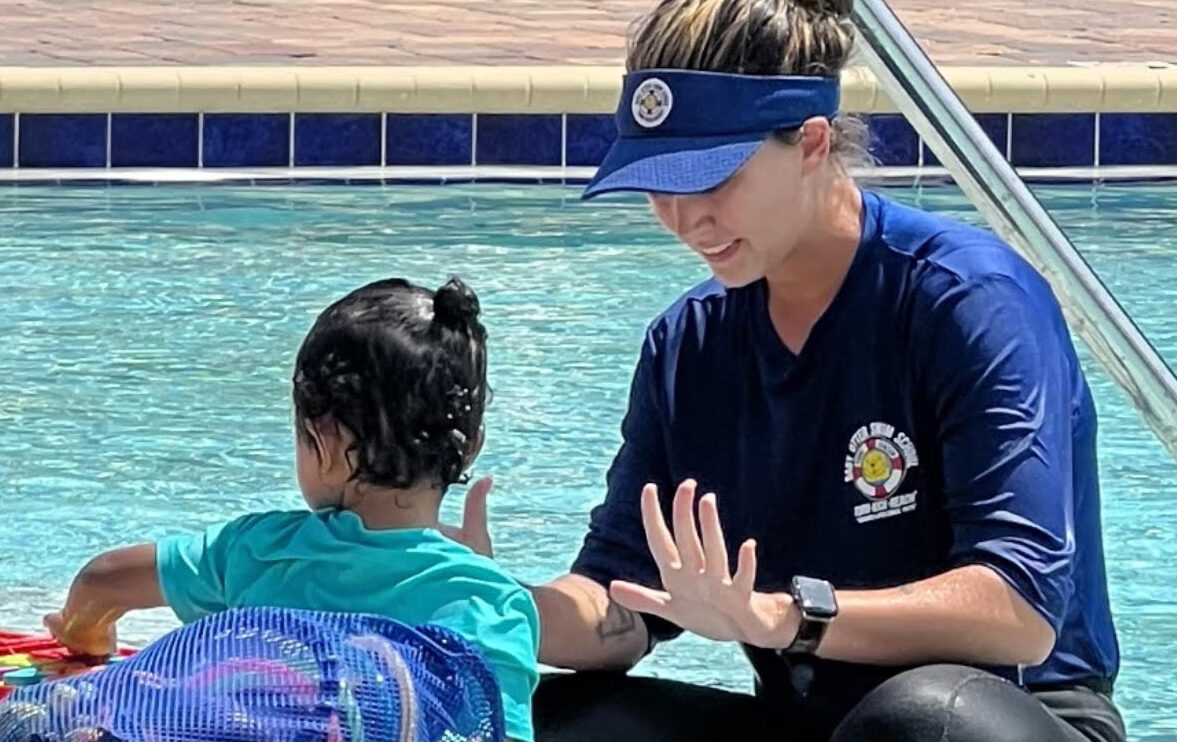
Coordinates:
(582, 629)
(969, 614)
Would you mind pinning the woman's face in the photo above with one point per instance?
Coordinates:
(751, 223)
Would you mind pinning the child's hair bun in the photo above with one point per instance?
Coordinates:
(455, 304)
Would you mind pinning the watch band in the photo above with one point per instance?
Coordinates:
(809, 636)
(817, 604)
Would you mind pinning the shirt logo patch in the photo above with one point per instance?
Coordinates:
(877, 463)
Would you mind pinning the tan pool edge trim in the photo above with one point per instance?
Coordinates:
(523, 174)
(1103, 89)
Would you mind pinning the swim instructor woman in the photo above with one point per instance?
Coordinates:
(904, 533)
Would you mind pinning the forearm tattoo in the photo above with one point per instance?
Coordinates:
(618, 621)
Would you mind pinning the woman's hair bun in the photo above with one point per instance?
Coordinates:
(836, 8)
(455, 304)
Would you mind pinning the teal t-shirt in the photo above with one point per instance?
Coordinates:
(327, 560)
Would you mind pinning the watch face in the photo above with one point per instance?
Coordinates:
(816, 597)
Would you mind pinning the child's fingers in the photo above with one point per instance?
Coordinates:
(450, 532)
(54, 623)
(475, 529)
(474, 511)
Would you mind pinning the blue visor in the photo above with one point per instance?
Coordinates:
(685, 131)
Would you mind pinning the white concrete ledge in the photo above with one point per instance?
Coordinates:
(1104, 89)
(505, 173)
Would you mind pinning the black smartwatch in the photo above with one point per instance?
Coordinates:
(815, 599)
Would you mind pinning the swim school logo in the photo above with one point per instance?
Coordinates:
(651, 103)
(877, 463)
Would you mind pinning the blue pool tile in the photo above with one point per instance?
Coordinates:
(1053, 140)
(518, 139)
(893, 141)
(154, 139)
(429, 139)
(995, 125)
(340, 139)
(1138, 139)
(6, 126)
(246, 140)
(62, 140)
(588, 138)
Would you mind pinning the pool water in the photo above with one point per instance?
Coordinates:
(147, 335)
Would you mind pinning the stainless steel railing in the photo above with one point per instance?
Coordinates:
(941, 118)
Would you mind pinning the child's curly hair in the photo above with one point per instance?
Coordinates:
(403, 369)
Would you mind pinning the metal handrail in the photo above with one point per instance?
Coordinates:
(921, 93)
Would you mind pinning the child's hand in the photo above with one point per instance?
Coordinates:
(474, 532)
(98, 641)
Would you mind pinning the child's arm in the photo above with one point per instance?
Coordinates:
(108, 587)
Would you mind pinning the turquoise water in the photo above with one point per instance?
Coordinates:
(146, 337)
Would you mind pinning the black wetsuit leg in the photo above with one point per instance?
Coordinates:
(935, 703)
(954, 703)
(612, 707)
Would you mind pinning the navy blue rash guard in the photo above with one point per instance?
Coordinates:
(936, 417)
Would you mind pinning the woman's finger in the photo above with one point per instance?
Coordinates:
(686, 535)
(714, 546)
(658, 536)
(745, 579)
(641, 599)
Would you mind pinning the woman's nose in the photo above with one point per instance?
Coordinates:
(683, 214)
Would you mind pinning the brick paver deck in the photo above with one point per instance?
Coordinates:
(504, 32)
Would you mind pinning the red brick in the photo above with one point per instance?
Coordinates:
(331, 32)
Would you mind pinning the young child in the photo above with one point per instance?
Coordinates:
(389, 390)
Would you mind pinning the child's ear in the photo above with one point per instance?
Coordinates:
(326, 442)
(475, 447)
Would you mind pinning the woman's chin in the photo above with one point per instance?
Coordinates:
(732, 277)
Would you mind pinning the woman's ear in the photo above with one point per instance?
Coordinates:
(816, 135)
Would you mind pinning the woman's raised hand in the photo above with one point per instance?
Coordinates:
(699, 592)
